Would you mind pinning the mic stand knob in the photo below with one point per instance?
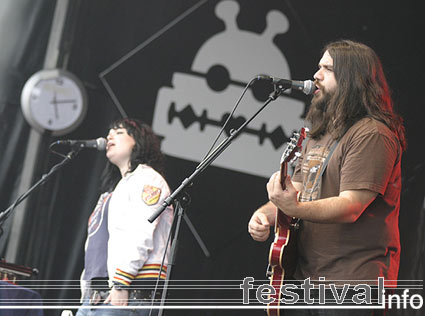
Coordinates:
(278, 89)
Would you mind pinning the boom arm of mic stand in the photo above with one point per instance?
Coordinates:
(5, 214)
(212, 156)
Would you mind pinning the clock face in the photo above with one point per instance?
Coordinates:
(54, 100)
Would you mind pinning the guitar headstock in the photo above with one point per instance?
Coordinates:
(294, 146)
(291, 153)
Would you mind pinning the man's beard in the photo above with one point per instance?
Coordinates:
(318, 115)
(321, 100)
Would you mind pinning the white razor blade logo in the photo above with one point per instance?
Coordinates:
(189, 127)
(187, 117)
(190, 114)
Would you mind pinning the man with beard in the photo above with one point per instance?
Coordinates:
(346, 186)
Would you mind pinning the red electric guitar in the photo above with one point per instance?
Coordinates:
(282, 258)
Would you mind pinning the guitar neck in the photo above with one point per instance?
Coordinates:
(283, 174)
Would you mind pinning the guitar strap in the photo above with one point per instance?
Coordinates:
(297, 221)
(323, 168)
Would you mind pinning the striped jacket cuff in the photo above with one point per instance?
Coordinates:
(150, 271)
(122, 278)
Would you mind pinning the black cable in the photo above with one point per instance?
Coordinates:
(230, 116)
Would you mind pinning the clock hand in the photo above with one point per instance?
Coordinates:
(55, 105)
(65, 101)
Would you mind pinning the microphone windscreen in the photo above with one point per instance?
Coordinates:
(309, 87)
(101, 143)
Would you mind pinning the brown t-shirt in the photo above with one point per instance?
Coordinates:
(367, 157)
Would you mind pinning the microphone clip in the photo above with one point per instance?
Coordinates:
(278, 90)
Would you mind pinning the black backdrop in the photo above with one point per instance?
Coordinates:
(222, 200)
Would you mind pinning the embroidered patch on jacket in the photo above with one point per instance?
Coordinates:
(151, 194)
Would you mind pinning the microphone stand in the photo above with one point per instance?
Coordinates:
(67, 158)
(179, 205)
(180, 196)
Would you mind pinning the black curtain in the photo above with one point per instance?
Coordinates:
(24, 32)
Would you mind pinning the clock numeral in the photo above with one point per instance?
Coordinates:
(74, 107)
(59, 81)
(50, 122)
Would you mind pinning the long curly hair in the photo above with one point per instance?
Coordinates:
(145, 151)
(362, 91)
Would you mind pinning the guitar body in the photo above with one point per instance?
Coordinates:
(282, 258)
(283, 252)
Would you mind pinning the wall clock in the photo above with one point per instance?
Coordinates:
(54, 100)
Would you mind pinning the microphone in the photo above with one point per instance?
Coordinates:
(307, 86)
(99, 143)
